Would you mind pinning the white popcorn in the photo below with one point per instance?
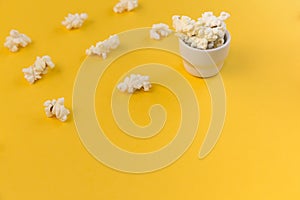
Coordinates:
(206, 33)
(182, 36)
(56, 108)
(196, 42)
(223, 16)
(73, 21)
(134, 82)
(210, 35)
(104, 47)
(219, 42)
(16, 40)
(40, 66)
(183, 24)
(125, 5)
(159, 30)
(210, 45)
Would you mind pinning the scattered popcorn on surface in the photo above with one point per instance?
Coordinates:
(159, 30)
(39, 67)
(56, 108)
(206, 33)
(74, 21)
(125, 5)
(15, 40)
(103, 48)
(134, 82)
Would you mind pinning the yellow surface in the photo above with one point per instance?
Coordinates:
(257, 156)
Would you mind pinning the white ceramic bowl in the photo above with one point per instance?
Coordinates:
(204, 63)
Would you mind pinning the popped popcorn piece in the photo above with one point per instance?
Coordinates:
(159, 30)
(206, 33)
(223, 16)
(134, 82)
(15, 40)
(73, 21)
(210, 45)
(125, 5)
(183, 24)
(196, 42)
(40, 67)
(209, 20)
(219, 42)
(56, 108)
(104, 47)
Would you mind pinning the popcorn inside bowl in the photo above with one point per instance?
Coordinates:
(207, 32)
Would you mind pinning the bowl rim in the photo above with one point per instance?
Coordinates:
(227, 42)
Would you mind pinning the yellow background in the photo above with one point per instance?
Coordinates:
(257, 156)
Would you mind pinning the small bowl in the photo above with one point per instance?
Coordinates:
(204, 63)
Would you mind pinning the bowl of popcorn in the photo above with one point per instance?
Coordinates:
(203, 43)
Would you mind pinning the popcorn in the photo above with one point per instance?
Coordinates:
(125, 5)
(183, 24)
(56, 108)
(223, 16)
(210, 45)
(40, 66)
(159, 30)
(200, 43)
(16, 40)
(134, 82)
(74, 21)
(210, 35)
(206, 33)
(219, 42)
(103, 48)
